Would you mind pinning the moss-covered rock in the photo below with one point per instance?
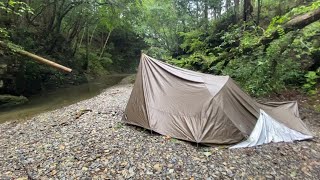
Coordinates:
(129, 79)
(9, 100)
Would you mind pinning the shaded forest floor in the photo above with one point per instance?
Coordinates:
(88, 140)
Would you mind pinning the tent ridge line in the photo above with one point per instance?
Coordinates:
(155, 61)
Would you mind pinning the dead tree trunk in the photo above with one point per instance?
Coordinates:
(105, 44)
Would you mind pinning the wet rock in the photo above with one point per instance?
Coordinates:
(10, 100)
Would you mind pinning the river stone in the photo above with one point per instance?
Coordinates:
(10, 100)
(91, 149)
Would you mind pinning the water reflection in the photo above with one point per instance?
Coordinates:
(47, 101)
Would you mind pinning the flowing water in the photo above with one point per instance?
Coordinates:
(51, 100)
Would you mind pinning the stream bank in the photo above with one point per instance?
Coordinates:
(88, 140)
(53, 99)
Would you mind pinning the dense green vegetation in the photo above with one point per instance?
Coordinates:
(265, 45)
(94, 38)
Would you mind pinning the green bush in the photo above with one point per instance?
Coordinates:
(311, 81)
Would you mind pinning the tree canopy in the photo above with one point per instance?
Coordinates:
(266, 45)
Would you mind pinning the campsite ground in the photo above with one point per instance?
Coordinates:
(88, 140)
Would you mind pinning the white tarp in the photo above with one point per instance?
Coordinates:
(269, 130)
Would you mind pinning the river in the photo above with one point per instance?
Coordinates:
(50, 100)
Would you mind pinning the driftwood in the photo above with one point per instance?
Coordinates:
(39, 59)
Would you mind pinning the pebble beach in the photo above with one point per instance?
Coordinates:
(87, 140)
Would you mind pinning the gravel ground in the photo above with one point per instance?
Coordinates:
(87, 140)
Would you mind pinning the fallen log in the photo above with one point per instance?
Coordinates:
(295, 23)
(303, 20)
(38, 58)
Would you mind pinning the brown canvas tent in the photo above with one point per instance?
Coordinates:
(199, 107)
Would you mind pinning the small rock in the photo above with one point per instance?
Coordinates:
(268, 176)
(171, 171)
(157, 167)
(23, 178)
(53, 172)
(149, 173)
(131, 172)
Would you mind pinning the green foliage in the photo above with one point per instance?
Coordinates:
(12, 7)
(157, 52)
(196, 62)
(119, 125)
(250, 36)
(275, 24)
(174, 140)
(199, 35)
(13, 47)
(259, 69)
(9, 101)
(311, 81)
(15, 7)
(265, 71)
(303, 9)
(192, 41)
(4, 33)
(96, 66)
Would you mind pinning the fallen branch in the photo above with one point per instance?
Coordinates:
(38, 58)
(82, 112)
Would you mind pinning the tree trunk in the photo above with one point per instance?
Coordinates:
(247, 9)
(197, 15)
(206, 18)
(236, 8)
(259, 11)
(228, 2)
(105, 44)
(303, 20)
(219, 8)
(86, 64)
(75, 45)
(295, 23)
(279, 8)
(81, 39)
(93, 34)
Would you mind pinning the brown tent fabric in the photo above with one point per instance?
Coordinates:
(198, 107)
